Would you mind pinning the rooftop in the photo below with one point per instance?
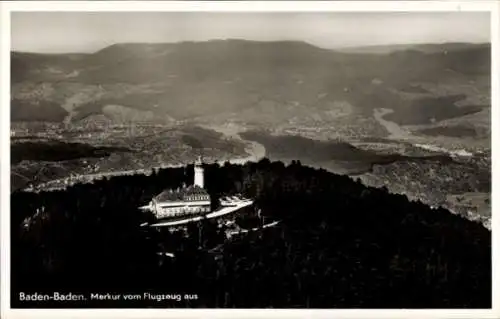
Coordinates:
(190, 193)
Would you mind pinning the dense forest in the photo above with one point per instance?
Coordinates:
(41, 111)
(431, 109)
(339, 244)
(353, 160)
(453, 131)
(55, 151)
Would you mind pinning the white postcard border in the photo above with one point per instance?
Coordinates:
(235, 6)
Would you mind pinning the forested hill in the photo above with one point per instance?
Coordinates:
(339, 244)
(255, 80)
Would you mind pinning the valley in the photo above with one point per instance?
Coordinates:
(416, 120)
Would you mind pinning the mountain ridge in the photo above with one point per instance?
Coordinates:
(450, 46)
(422, 47)
(198, 79)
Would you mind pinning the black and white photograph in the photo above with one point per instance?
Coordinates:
(249, 159)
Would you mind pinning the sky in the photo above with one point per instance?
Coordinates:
(86, 32)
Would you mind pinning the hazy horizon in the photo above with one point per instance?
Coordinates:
(236, 39)
(88, 32)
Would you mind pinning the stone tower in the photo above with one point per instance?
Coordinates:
(199, 178)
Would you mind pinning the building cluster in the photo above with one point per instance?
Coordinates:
(174, 207)
(181, 202)
(190, 200)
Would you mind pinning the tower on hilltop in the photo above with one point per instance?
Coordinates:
(199, 178)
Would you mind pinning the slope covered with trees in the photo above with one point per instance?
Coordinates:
(339, 244)
(199, 79)
(55, 151)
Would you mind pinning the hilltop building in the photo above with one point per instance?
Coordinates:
(192, 203)
(193, 199)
